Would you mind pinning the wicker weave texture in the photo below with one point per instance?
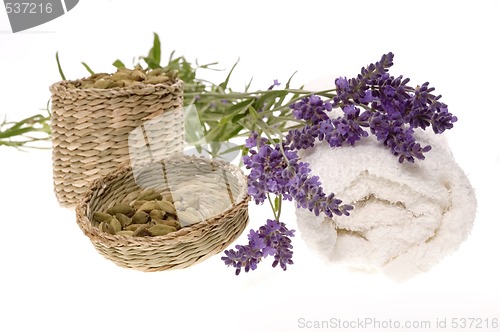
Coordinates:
(222, 198)
(90, 129)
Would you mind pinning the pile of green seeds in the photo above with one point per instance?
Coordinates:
(125, 77)
(151, 214)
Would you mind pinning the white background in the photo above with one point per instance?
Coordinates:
(51, 277)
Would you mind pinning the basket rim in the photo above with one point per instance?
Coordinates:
(184, 234)
(62, 85)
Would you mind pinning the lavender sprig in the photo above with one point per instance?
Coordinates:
(277, 170)
(373, 102)
(282, 174)
(271, 239)
(392, 110)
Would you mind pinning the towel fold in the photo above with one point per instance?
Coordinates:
(406, 217)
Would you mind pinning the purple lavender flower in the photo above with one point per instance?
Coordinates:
(311, 108)
(307, 192)
(302, 138)
(271, 239)
(393, 110)
(267, 165)
(354, 89)
(254, 140)
(393, 133)
(442, 120)
(342, 83)
(273, 172)
(275, 83)
(347, 128)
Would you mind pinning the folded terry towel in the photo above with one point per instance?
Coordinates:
(406, 216)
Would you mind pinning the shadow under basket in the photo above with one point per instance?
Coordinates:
(223, 199)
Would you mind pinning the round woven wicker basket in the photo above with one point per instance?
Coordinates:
(223, 199)
(90, 128)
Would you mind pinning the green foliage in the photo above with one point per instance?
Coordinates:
(118, 64)
(224, 114)
(26, 132)
(88, 68)
(59, 67)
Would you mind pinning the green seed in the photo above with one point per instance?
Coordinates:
(159, 230)
(117, 84)
(156, 79)
(123, 219)
(138, 203)
(105, 227)
(142, 231)
(115, 224)
(149, 206)
(95, 77)
(169, 222)
(167, 206)
(149, 195)
(99, 217)
(102, 83)
(120, 76)
(140, 217)
(133, 227)
(157, 214)
(121, 208)
(154, 72)
(138, 75)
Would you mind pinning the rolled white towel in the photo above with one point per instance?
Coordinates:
(406, 217)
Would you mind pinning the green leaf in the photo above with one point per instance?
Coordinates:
(269, 97)
(230, 132)
(240, 116)
(152, 63)
(232, 149)
(88, 68)
(59, 67)
(208, 65)
(224, 84)
(235, 109)
(155, 52)
(287, 86)
(187, 73)
(214, 134)
(171, 56)
(210, 117)
(118, 64)
(247, 87)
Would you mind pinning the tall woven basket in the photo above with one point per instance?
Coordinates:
(90, 129)
(222, 193)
